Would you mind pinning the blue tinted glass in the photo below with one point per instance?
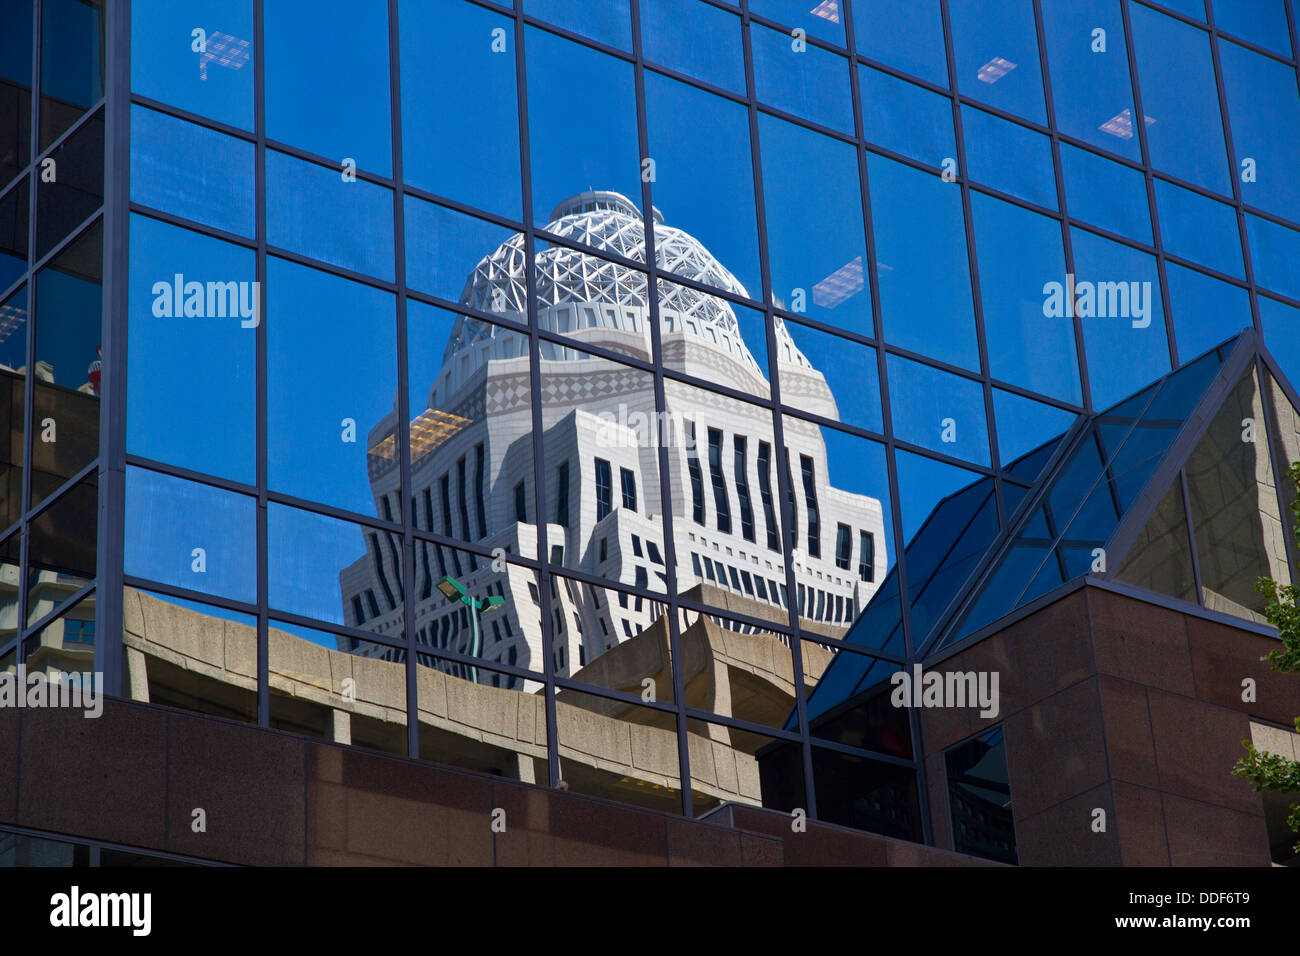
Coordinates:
(907, 34)
(694, 38)
(1206, 311)
(1274, 251)
(955, 535)
(1265, 111)
(1199, 229)
(16, 74)
(1191, 8)
(306, 553)
(849, 370)
(1259, 21)
(1125, 340)
(1009, 157)
(314, 211)
(703, 185)
(483, 167)
(190, 535)
(924, 483)
(14, 211)
(1180, 99)
(906, 118)
(192, 172)
(997, 55)
(938, 410)
(444, 246)
(921, 258)
(809, 178)
(72, 62)
(1018, 252)
(316, 103)
(1105, 193)
(1089, 70)
(190, 369)
(321, 328)
(209, 72)
(999, 593)
(1023, 424)
(1281, 324)
(578, 96)
(805, 80)
(817, 18)
(853, 465)
(609, 21)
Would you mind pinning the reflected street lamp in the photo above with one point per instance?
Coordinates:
(455, 591)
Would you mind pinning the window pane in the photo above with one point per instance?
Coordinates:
(1281, 324)
(921, 258)
(1199, 229)
(191, 337)
(913, 40)
(809, 178)
(818, 19)
(800, 79)
(190, 535)
(1161, 557)
(210, 73)
(315, 106)
(327, 445)
(997, 56)
(72, 62)
(312, 210)
(1020, 251)
(703, 185)
(65, 419)
(1264, 107)
(579, 96)
(1090, 81)
(443, 253)
(1105, 194)
(483, 168)
(979, 797)
(938, 410)
(1126, 343)
(1024, 425)
(61, 549)
(1180, 99)
(1206, 311)
(906, 118)
(192, 172)
(16, 89)
(609, 22)
(1275, 250)
(13, 315)
(1009, 157)
(78, 190)
(1259, 21)
(696, 39)
(311, 560)
(829, 376)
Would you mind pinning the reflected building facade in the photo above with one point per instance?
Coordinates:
(472, 456)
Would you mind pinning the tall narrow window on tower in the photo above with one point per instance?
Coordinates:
(629, 488)
(866, 556)
(765, 492)
(742, 488)
(480, 505)
(562, 495)
(721, 502)
(604, 488)
(697, 476)
(810, 499)
(843, 546)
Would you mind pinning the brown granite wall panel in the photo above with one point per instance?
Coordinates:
(1056, 749)
(1127, 721)
(1062, 835)
(101, 777)
(1196, 746)
(1202, 834)
(249, 782)
(1223, 656)
(1140, 642)
(1140, 824)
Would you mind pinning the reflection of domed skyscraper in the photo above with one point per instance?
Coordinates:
(472, 464)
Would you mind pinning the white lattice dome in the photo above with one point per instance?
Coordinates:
(609, 221)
